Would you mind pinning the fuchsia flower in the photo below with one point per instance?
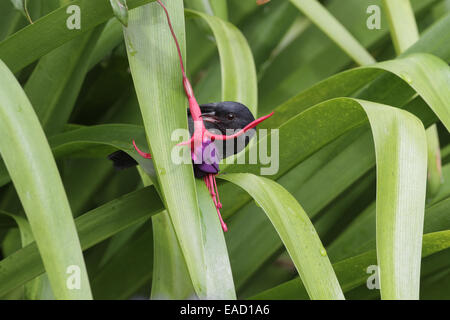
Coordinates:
(206, 164)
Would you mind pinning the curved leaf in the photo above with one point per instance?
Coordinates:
(312, 57)
(416, 70)
(360, 234)
(164, 110)
(33, 170)
(296, 231)
(401, 177)
(93, 227)
(216, 8)
(352, 272)
(21, 48)
(236, 62)
(328, 24)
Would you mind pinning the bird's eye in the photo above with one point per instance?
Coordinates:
(230, 116)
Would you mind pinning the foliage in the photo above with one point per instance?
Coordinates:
(354, 157)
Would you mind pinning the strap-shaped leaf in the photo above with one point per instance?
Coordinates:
(33, 170)
(297, 233)
(239, 81)
(400, 148)
(239, 84)
(216, 8)
(417, 70)
(170, 276)
(157, 78)
(311, 57)
(93, 227)
(53, 98)
(352, 272)
(336, 31)
(21, 48)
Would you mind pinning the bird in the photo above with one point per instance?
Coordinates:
(223, 118)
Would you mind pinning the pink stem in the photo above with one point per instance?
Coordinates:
(217, 193)
(143, 154)
(174, 38)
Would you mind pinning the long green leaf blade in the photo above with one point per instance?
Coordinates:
(352, 272)
(93, 227)
(21, 49)
(404, 34)
(328, 24)
(33, 170)
(150, 47)
(297, 233)
(401, 156)
(402, 24)
(239, 81)
(400, 147)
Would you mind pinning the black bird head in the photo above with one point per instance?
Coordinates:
(226, 115)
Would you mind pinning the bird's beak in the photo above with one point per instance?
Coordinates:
(209, 117)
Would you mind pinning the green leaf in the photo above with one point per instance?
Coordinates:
(434, 40)
(428, 76)
(93, 227)
(402, 23)
(404, 34)
(26, 236)
(401, 156)
(401, 165)
(38, 288)
(416, 70)
(120, 10)
(296, 231)
(216, 8)
(39, 187)
(110, 38)
(312, 57)
(21, 48)
(236, 62)
(170, 274)
(163, 107)
(217, 256)
(136, 256)
(267, 30)
(360, 234)
(11, 21)
(21, 5)
(328, 24)
(352, 272)
(53, 97)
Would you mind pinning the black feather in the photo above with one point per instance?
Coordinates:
(121, 160)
